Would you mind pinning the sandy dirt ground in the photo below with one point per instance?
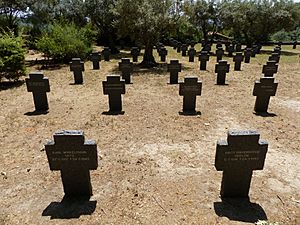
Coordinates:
(155, 165)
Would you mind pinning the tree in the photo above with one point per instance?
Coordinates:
(143, 21)
(255, 20)
(204, 15)
(102, 16)
(11, 11)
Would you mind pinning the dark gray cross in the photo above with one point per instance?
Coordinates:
(238, 47)
(77, 66)
(191, 53)
(275, 57)
(227, 44)
(184, 48)
(264, 89)
(203, 42)
(238, 59)
(219, 44)
(237, 157)
(277, 50)
(38, 85)
(175, 44)
(253, 51)
(179, 46)
(207, 48)
(193, 43)
(221, 69)
(174, 68)
(247, 55)
(295, 45)
(188, 42)
(96, 58)
(230, 50)
(114, 88)
(219, 53)
(258, 49)
(106, 53)
(163, 53)
(126, 67)
(203, 58)
(135, 52)
(74, 157)
(189, 89)
(270, 69)
(159, 46)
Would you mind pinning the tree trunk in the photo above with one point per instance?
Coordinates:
(148, 59)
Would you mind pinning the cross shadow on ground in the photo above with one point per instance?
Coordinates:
(37, 113)
(70, 207)
(5, 85)
(240, 209)
(264, 114)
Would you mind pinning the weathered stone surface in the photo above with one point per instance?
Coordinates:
(77, 66)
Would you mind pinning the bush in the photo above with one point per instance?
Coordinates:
(12, 57)
(287, 36)
(64, 42)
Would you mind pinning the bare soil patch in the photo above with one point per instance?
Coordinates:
(156, 166)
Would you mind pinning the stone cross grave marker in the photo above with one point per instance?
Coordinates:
(189, 89)
(247, 55)
(74, 156)
(135, 52)
(96, 58)
(227, 44)
(38, 85)
(126, 67)
(270, 69)
(203, 58)
(238, 59)
(174, 68)
(179, 46)
(295, 45)
(238, 47)
(191, 53)
(175, 43)
(219, 53)
(237, 157)
(184, 48)
(221, 69)
(163, 53)
(193, 43)
(277, 50)
(253, 51)
(263, 90)
(219, 44)
(77, 66)
(106, 53)
(274, 57)
(114, 88)
(230, 50)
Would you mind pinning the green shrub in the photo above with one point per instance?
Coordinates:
(64, 42)
(12, 57)
(283, 35)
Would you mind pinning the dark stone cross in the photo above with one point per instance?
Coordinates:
(227, 44)
(270, 69)
(207, 48)
(163, 53)
(230, 50)
(219, 53)
(237, 157)
(175, 44)
(114, 88)
(277, 50)
(135, 52)
(38, 85)
(179, 46)
(264, 89)
(106, 53)
(295, 45)
(189, 89)
(174, 68)
(238, 59)
(219, 44)
(247, 55)
(96, 58)
(191, 53)
(274, 57)
(221, 69)
(184, 48)
(253, 51)
(203, 58)
(238, 47)
(74, 157)
(77, 66)
(126, 67)
(193, 43)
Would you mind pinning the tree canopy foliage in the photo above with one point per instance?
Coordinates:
(145, 22)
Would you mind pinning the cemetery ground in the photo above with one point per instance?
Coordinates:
(155, 165)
